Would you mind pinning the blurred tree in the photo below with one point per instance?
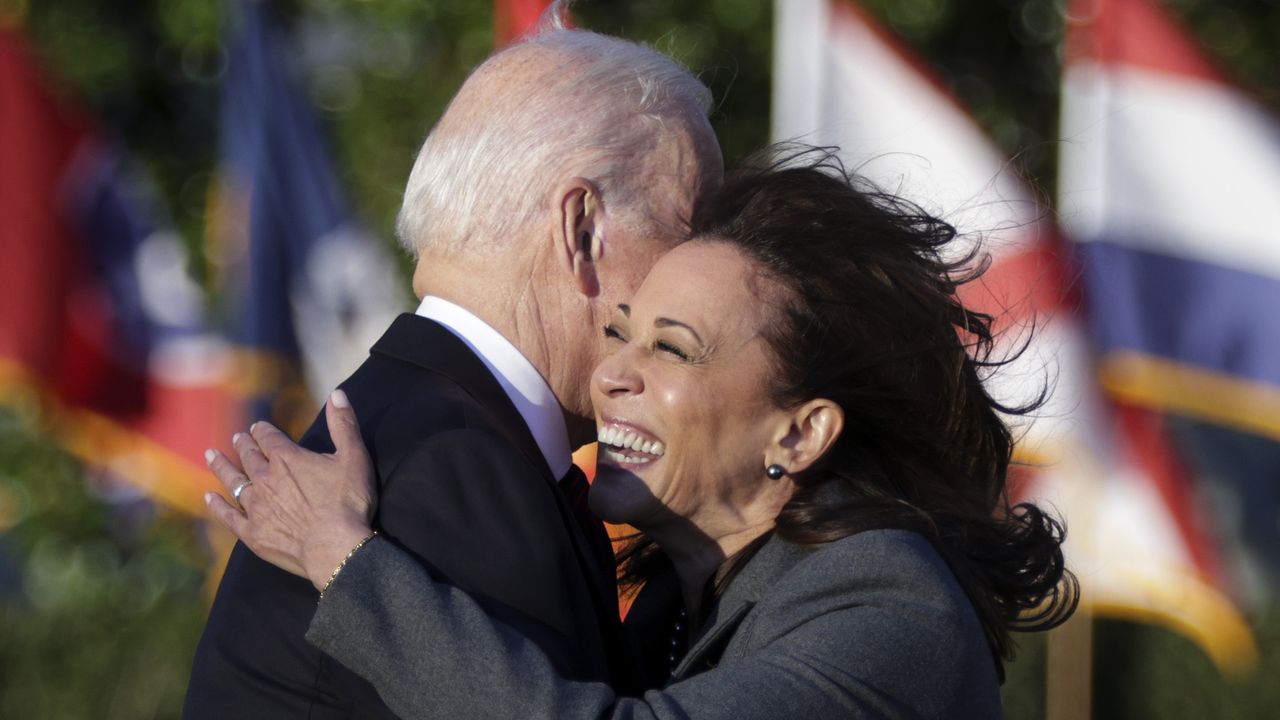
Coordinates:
(148, 71)
(101, 604)
(384, 71)
(1143, 671)
(727, 43)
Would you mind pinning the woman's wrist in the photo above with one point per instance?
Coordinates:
(334, 575)
(324, 559)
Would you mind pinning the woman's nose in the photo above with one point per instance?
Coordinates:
(617, 374)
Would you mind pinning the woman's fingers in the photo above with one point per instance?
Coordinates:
(252, 459)
(270, 440)
(344, 429)
(226, 471)
(352, 455)
(297, 498)
(227, 516)
(268, 539)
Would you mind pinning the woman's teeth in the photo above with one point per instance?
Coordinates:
(628, 440)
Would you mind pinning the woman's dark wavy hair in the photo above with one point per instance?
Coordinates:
(869, 318)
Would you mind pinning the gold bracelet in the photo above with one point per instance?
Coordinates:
(343, 564)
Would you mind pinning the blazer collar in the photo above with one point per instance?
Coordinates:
(429, 345)
(760, 573)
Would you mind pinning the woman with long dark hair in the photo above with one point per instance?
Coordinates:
(793, 416)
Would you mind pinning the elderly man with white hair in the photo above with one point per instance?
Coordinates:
(560, 172)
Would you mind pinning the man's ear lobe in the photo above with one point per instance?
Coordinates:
(815, 426)
(576, 234)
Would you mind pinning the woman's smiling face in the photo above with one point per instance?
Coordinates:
(682, 404)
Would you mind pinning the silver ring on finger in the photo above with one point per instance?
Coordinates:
(239, 489)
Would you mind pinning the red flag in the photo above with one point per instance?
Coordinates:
(100, 327)
(40, 137)
(513, 18)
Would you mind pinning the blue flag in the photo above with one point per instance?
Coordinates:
(313, 290)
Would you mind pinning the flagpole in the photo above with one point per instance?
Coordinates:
(1069, 669)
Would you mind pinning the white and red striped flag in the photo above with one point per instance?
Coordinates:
(1136, 547)
(1169, 183)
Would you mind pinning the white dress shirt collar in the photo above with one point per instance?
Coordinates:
(522, 382)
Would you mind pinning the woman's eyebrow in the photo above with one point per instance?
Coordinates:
(668, 322)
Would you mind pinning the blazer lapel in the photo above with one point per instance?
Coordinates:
(709, 647)
(761, 573)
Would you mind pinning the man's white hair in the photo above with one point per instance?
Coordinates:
(594, 109)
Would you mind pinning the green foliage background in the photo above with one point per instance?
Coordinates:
(101, 598)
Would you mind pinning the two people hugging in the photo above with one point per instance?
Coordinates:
(786, 394)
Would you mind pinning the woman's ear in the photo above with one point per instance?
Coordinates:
(812, 429)
(576, 216)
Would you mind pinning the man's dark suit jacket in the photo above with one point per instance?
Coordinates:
(465, 490)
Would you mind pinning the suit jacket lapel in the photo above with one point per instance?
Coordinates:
(431, 346)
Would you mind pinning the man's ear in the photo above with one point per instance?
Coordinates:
(811, 430)
(577, 217)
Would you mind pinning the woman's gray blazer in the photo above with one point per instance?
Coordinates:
(870, 626)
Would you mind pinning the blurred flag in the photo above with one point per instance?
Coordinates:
(314, 291)
(101, 329)
(1170, 179)
(513, 18)
(1170, 183)
(1134, 541)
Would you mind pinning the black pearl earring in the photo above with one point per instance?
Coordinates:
(775, 471)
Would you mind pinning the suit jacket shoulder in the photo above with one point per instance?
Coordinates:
(464, 490)
(418, 381)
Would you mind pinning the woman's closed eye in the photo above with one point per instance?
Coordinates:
(670, 349)
(613, 333)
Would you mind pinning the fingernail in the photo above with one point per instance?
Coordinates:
(340, 399)
(209, 455)
(254, 426)
(235, 439)
(208, 499)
